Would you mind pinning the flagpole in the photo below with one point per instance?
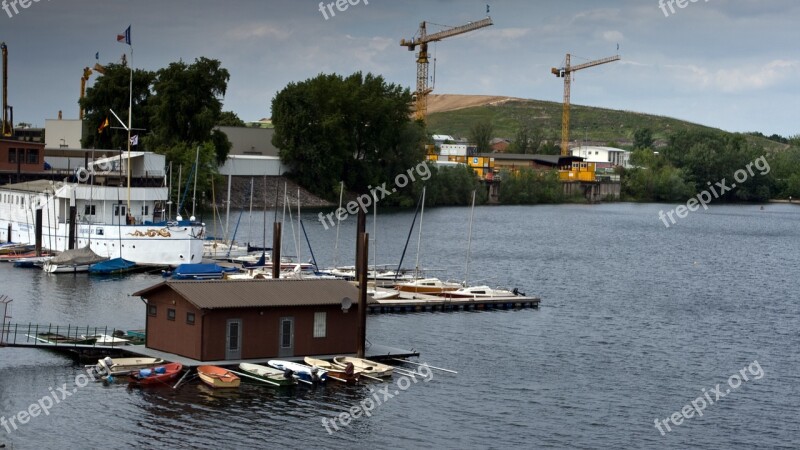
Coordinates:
(130, 115)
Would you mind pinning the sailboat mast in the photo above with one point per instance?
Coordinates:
(336, 243)
(130, 116)
(419, 238)
(469, 239)
(196, 171)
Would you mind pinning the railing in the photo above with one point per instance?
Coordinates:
(33, 335)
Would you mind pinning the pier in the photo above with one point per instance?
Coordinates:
(414, 302)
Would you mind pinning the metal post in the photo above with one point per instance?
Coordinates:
(276, 250)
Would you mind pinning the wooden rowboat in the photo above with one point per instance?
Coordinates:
(157, 375)
(124, 366)
(271, 376)
(344, 375)
(217, 377)
(365, 366)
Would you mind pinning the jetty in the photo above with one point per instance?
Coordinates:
(415, 302)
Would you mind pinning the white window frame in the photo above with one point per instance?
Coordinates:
(320, 324)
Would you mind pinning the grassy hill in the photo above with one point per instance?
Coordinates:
(595, 125)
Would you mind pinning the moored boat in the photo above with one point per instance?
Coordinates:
(303, 372)
(106, 340)
(479, 292)
(217, 377)
(271, 375)
(365, 366)
(427, 286)
(348, 374)
(124, 366)
(157, 374)
(54, 338)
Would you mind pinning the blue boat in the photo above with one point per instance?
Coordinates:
(113, 266)
(200, 272)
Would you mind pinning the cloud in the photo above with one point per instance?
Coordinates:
(742, 79)
(504, 33)
(257, 31)
(613, 36)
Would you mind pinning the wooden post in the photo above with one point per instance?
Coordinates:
(361, 227)
(38, 231)
(361, 270)
(276, 250)
(9, 233)
(73, 212)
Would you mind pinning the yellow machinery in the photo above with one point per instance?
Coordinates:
(87, 72)
(422, 39)
(566, 73)
(8, 111)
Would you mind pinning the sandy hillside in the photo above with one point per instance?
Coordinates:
(450, 102)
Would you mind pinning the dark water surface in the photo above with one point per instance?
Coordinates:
(636, 322)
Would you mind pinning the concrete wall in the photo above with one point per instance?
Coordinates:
(250, 141)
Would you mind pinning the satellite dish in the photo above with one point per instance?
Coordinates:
(347, 302)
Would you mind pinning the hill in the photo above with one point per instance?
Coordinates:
(455, 114)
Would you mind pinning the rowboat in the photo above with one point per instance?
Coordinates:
(217, 377)
(272, 376)
(158, 374)
(124, 366)
(348, 374)
(305, 373)
(365, 366)
(427, 286)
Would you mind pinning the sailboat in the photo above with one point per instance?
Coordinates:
(425, 285)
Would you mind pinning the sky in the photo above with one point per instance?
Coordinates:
(729, 64)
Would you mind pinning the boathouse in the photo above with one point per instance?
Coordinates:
(249, 319)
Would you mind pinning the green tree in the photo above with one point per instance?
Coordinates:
(480, 134)
(230, 119)
(109, 92)
(188, 104)
(356, 129)
(643, 138)
(529, 186)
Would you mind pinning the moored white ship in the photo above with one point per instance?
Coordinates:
(102, 221)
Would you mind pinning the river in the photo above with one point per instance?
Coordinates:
(637, 323)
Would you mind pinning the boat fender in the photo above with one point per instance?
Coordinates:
(349, 369)
(288, 374)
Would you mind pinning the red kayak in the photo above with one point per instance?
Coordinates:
(158, 374)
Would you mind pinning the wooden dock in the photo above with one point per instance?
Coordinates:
(413, 302)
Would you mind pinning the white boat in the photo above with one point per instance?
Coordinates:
(427, 286)
(365, 366)
(72, 261)
(479, 292)
(219, 250)
(303, 372)
(101, 211)
(104, 339)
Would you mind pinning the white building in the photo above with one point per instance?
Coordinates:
(603, 157)
(63, 133)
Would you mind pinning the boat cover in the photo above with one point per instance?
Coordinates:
(77, 257)
(112, 266)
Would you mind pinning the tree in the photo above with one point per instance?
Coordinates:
(230, 119)
(527, 139)
(111, 91)
(643, 138)
(356, 129)
(480, 134)
(188, 104)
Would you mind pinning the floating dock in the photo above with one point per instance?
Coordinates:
(414, 302)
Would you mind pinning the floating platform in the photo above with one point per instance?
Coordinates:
(414, 302)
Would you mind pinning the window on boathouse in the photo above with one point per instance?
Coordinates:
(152, 310)
(190, 318)
(319, 324)
(170, 314)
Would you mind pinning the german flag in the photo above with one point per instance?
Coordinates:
(103, 126)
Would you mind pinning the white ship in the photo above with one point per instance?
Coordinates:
(101, 224)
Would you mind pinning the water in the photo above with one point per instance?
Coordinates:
(636, 321)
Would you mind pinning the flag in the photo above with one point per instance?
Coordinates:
(103, 126)
(97, 56)
(135, 139)
(487, 9)
(126, 37)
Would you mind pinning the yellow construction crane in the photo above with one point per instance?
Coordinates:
(87, 72)
(8, 111)
(422, 39)
(566, 73)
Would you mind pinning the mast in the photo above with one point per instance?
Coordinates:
(130, 116)
(336, 243)
(419, 238)
(469, 239)
(196, 171)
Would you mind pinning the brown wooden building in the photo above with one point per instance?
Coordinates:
(20, 156)
(249, 319)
